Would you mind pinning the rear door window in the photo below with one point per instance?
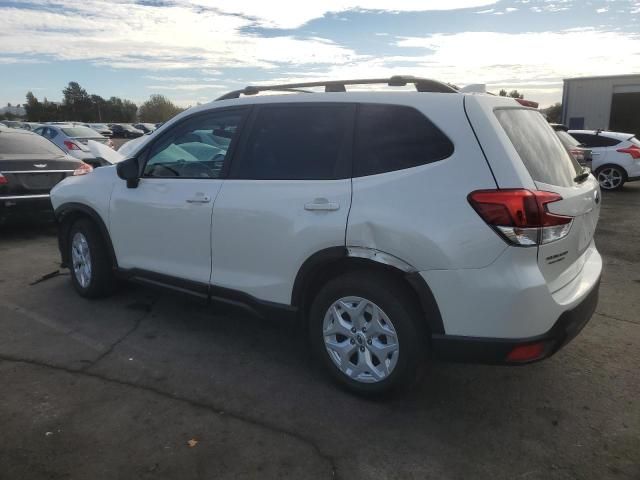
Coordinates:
(395, 137)
(297, 142)
(538, 146)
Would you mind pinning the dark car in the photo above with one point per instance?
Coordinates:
(582, 155)
(101, 128)
(30, 166)
(122, 130)
(145, 127)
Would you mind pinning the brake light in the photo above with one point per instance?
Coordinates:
(577, 154)
(521, 216)
(527, 103)
(633, 150)
(3, 180)
(71, 145)
(83, 169)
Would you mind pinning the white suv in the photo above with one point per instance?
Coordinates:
(395, 225)
(616, 156)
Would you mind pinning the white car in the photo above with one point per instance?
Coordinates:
(74, 140)
(616, 156)
(395, 225)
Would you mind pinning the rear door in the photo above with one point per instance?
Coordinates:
(287, 197)
(553, 169)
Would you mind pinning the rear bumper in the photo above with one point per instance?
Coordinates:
(497, 350)
(25, 207)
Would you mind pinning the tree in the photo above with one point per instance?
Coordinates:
(554, 113)
(158, 109)
(77, 103)
(512, 94)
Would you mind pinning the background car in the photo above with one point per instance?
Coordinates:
(581, 154)
(73, 140)
(123, 130)
(145, 127)
(101, 128)
(616, 156)
(15, 124)
(29, 167)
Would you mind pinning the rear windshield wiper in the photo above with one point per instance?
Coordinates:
(582, 176)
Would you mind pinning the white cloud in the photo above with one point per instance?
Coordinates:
(190, 87)
(285, 14)
(126, 35)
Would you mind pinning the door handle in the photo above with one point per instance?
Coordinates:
(321, 204)
(199, 198)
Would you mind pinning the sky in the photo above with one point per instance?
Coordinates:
(192, 51)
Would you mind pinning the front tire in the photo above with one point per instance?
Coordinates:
(90, 266)
(366, 330)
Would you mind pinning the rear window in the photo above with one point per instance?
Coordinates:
(26, 144)
(538, 146)
(80, 132)
(567, 139)
(392, 137)
(595, 141)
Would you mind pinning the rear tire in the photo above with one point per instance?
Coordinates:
(90, 266)
(611, 177)
(367, 333)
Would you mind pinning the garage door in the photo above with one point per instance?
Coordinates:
(625, 110)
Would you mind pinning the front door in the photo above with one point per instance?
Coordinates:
(164, 225)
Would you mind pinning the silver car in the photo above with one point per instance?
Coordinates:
(73, 139)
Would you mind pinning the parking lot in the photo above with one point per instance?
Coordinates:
(148, 385)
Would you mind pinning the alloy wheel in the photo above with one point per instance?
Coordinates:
(360, 339)
(81, 259)
(609, 178)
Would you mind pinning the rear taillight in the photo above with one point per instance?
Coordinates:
(83, 169)
(521, 216)
(71, 145)
(633, 150)
(577, 154)
(3, 180)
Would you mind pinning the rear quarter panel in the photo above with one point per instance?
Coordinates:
(421, 215)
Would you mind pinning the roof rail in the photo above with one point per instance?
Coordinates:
(422, 85)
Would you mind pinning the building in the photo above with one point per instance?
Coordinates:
(607, 103)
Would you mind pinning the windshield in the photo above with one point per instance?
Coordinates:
(80, 132)
(538, 146)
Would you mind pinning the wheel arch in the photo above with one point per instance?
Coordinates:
(331, 262)
(66, 215)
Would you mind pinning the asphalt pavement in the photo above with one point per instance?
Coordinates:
(149, 385)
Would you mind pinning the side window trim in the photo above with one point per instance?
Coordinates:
(343, 172)
(143, 156)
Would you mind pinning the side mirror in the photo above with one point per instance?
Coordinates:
(129, 170)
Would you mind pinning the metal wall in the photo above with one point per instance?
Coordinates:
(589, 99)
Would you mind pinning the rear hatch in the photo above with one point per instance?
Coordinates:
(553, 169)
(525, 154)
